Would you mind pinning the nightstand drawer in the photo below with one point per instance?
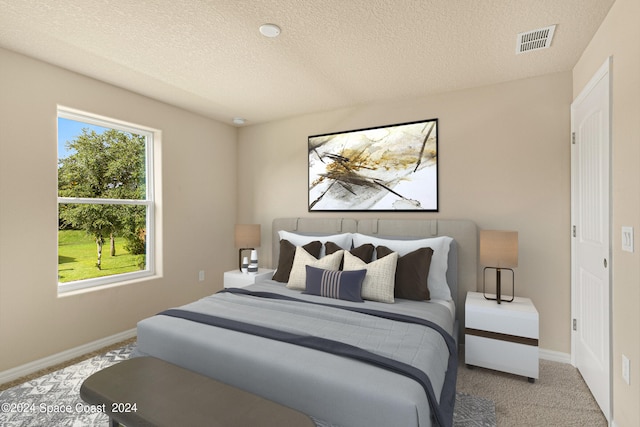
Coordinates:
(517, 318)
(519, 359)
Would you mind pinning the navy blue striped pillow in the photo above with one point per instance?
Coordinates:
(346, 285)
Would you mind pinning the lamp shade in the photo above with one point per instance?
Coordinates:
(499, 248)
(247, 235)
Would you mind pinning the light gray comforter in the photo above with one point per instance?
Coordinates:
(337, 390)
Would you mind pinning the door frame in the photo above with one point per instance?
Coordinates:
(604, 70)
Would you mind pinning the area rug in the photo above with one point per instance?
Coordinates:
(54, 399)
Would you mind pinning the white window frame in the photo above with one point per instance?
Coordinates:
(149, 201)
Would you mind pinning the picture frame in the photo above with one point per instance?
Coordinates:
(385, 168)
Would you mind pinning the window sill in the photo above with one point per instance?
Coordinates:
(100, 284)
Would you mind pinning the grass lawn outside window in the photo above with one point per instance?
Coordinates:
(77, 258)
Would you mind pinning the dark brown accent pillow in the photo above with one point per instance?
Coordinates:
(364, 252)
(330, 247)
(287, 252)
(412, 272)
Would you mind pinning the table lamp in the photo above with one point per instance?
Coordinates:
(247, 237)
(499, 251)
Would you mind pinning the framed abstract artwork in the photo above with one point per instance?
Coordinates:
(386, 168)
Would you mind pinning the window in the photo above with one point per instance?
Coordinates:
(105, 201)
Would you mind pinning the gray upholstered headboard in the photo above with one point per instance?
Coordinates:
(463, 270)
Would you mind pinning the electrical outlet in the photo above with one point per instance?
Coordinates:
(626, 374)
(201, 275)
(627, 239)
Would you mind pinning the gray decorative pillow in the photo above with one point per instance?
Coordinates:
(346, 285)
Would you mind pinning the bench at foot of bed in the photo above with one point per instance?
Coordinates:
(146, 391)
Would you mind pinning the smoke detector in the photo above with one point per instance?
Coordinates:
(535, 39)
(269, 30)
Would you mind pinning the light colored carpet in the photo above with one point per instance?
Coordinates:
(560, 397)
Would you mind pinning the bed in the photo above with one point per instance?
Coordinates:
(342, 362)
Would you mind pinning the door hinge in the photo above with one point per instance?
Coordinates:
(573, 231)
(575, 325)
(573, 137)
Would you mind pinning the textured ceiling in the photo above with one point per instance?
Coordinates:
(208, 55)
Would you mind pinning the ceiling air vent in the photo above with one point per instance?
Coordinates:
(535, 40)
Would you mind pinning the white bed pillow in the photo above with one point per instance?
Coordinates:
(437, 280)
(379, 283)
(343, 240)
(302, 258)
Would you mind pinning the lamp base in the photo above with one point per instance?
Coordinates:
(240, 256)
(498, 297)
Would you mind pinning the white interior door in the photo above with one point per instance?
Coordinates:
(590, 200)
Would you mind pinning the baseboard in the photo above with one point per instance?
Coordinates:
(31, 367)
(554, 356)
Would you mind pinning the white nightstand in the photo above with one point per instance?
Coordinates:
(238, 279)
(503, 336)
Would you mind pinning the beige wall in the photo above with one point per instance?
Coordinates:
(197, 205)
(504, 159)
(504, 162)
(619, 37)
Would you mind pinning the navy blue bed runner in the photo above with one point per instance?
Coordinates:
(441, 414)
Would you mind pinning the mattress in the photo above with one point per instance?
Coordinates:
(449, 304)
(333, 389)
